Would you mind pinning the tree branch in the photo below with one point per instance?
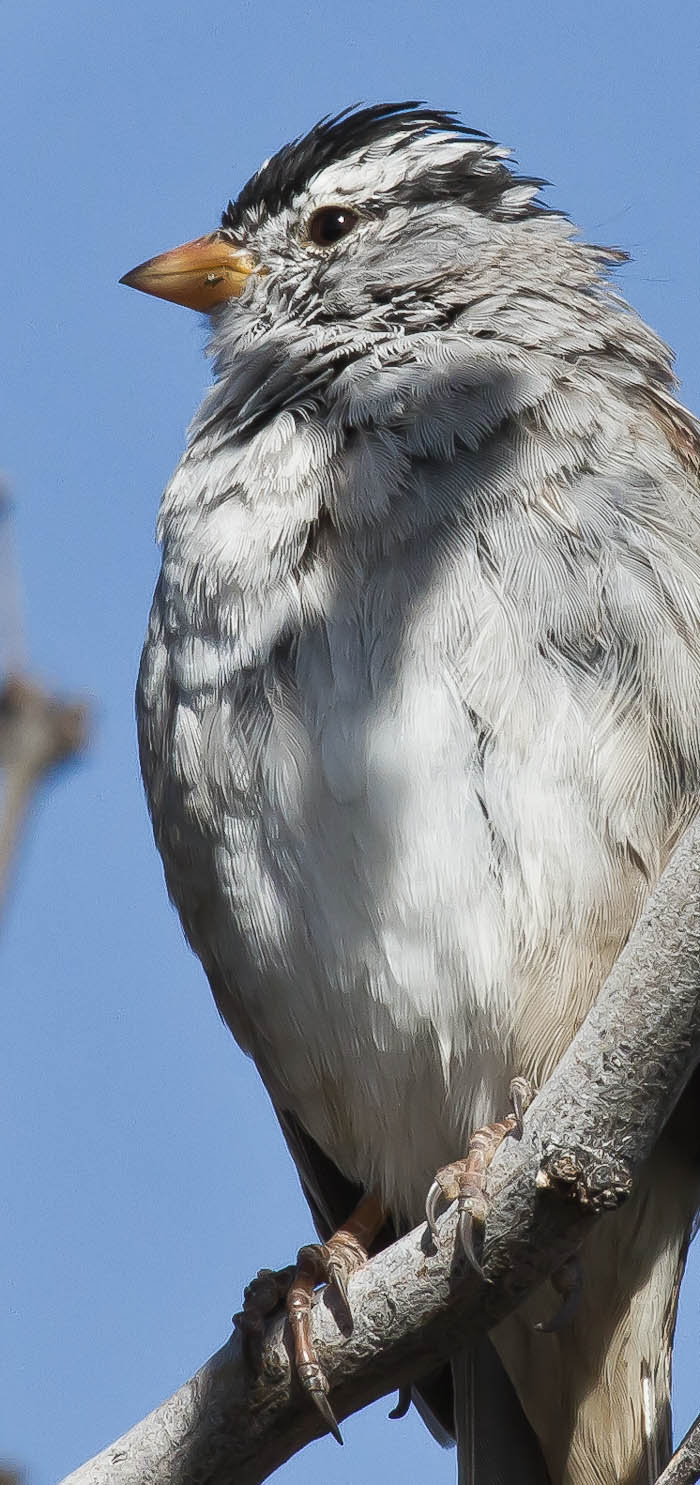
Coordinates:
(586, 1136)
(684, 1468)
(37, 733)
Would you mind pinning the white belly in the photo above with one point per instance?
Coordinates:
(406, 918)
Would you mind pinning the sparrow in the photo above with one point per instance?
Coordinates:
(419, 721)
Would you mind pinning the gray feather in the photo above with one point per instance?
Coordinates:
(419, 707)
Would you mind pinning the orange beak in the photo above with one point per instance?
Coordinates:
(199, 274)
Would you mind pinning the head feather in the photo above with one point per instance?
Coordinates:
(479, 174)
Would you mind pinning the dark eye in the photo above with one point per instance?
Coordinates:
(331, 223)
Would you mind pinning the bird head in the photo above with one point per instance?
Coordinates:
(375, 214)
(400, 331)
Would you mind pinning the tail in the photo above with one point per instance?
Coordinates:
(495, 1443)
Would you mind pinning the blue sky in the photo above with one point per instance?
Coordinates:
(144, 1176)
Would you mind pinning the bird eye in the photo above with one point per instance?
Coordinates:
(331, 223)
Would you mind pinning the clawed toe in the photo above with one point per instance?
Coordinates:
(456, 1182)
(464, 1181)
(471, 1218)
(331, 1263)
(261, 1297)
(521, 1095)
(315, 1385)
(432, 1206)
(403, 1403)
(338, 1281)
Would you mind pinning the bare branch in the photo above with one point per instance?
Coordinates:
(684, 1468)
(37, 733)
(586, 1135)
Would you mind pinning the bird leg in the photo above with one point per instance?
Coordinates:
(464, 1181)
(331, 1263)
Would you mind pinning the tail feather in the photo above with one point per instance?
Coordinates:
(650, 1414)
(495, 1443)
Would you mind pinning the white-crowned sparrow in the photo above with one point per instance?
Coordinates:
(419, 708)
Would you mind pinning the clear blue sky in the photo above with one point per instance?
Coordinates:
(143, 1176)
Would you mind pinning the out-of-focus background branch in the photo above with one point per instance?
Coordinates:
(38, 731)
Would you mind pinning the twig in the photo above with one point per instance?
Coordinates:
(37, 733)
(586, 1135)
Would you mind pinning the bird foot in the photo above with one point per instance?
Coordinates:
(330, 1263)
(261, 1297)
(464, 1181)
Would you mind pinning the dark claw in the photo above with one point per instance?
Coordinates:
(336, 1277)
(315, 1386)
(326, 1411)
(403, 1403)
(465, 1238)
(520, 1099)
(432, 1202)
